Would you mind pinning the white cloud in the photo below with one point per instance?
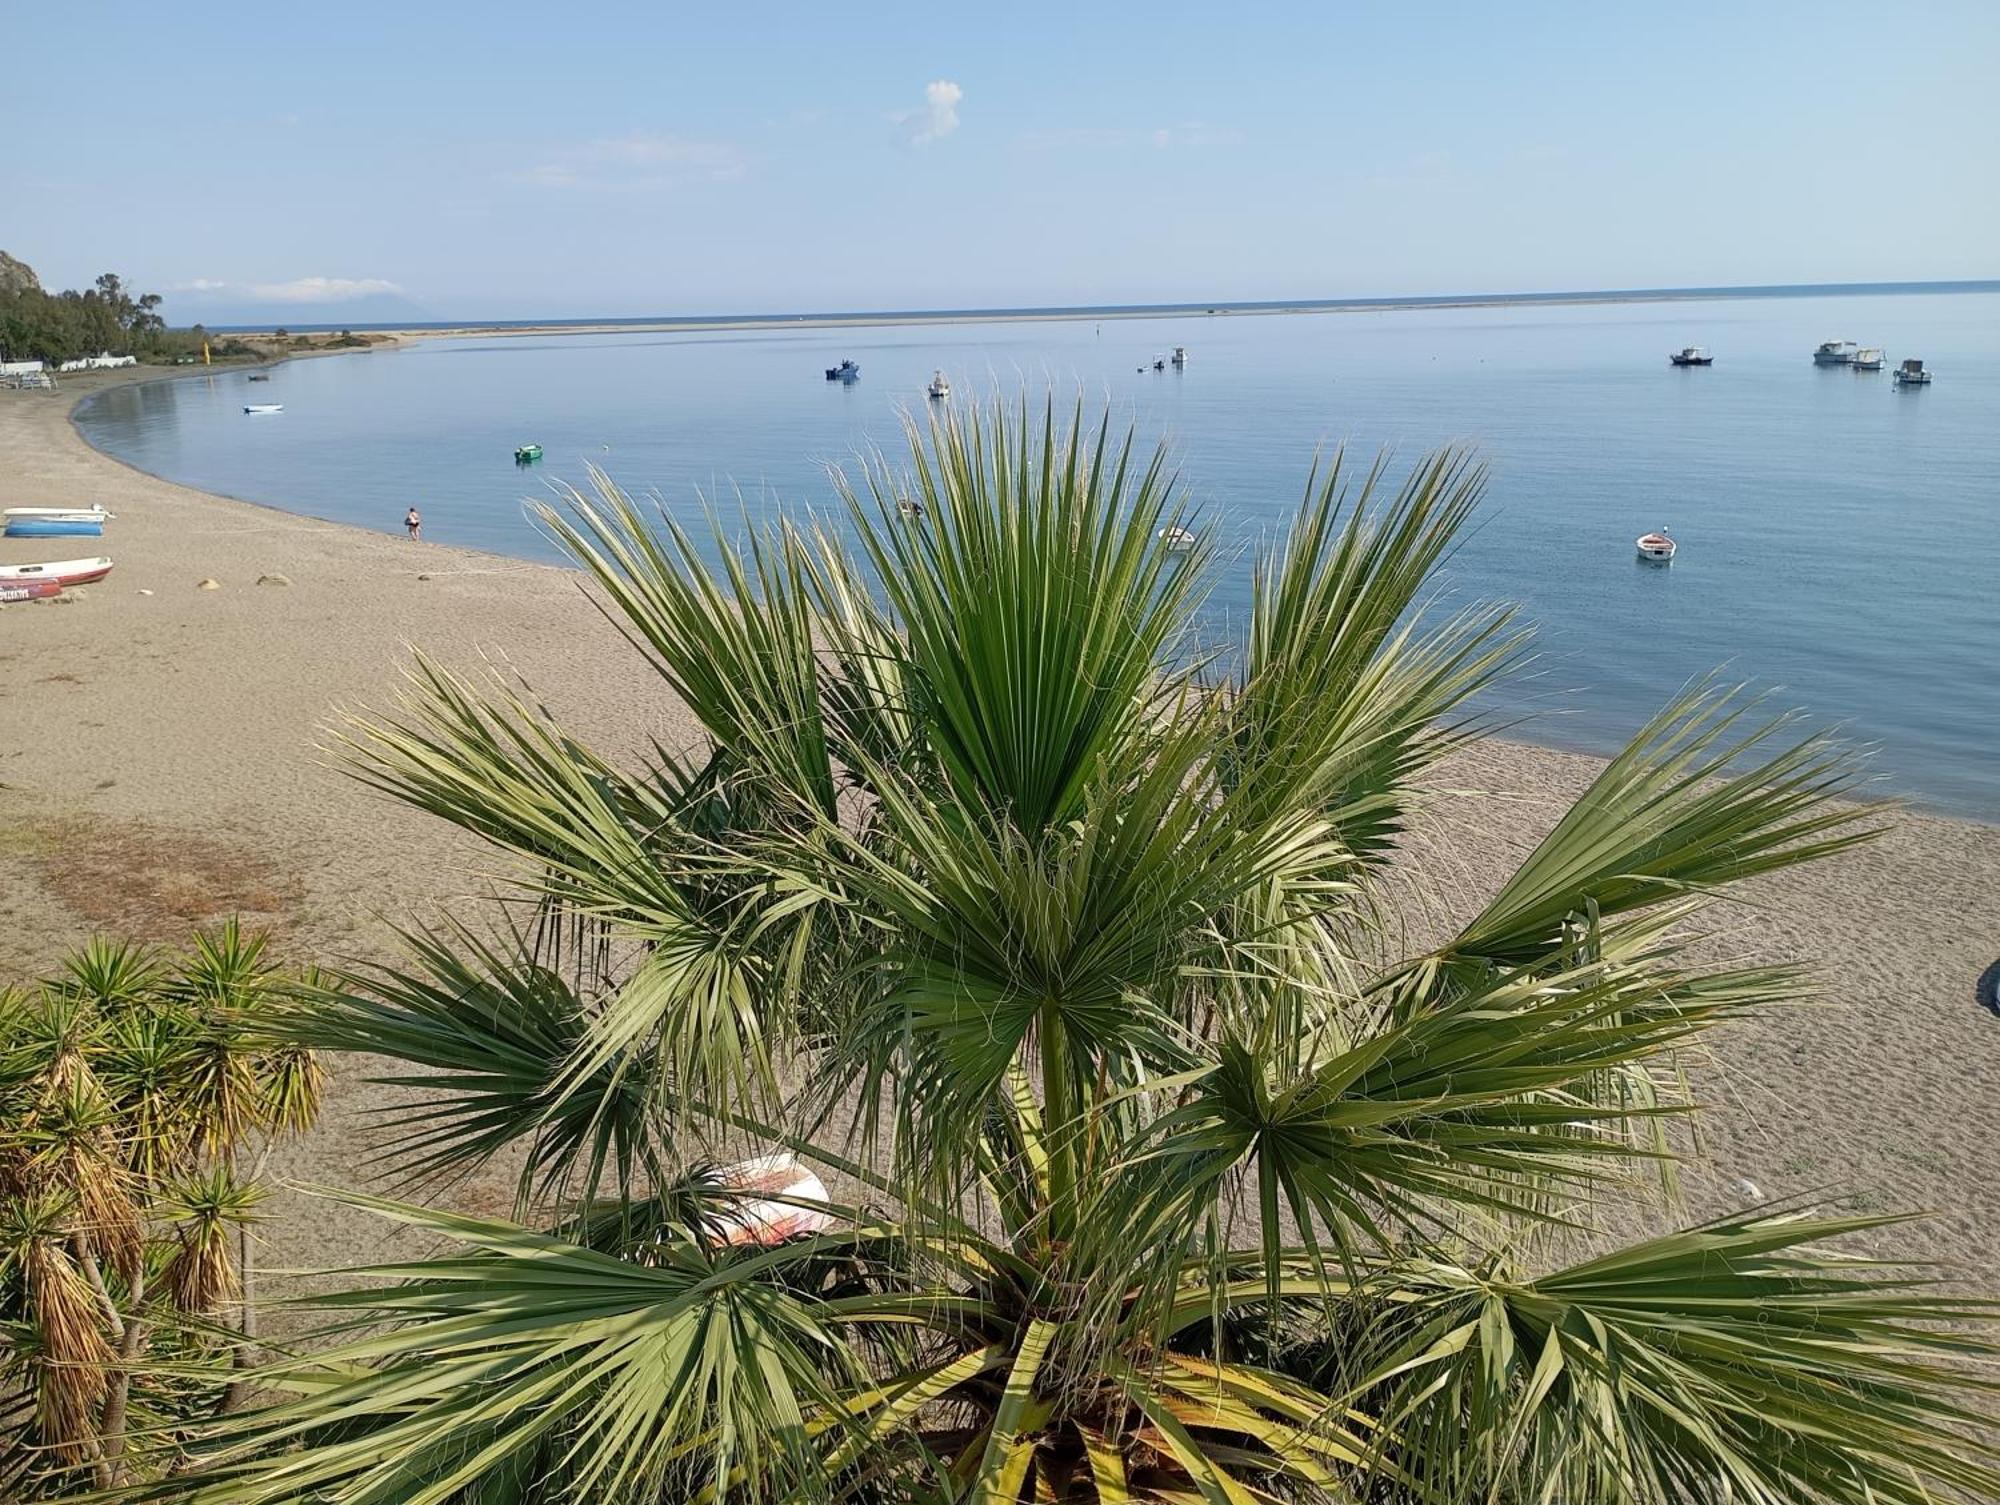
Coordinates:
(321, 289)
(643, 161)
(939, 116)
(298, 290)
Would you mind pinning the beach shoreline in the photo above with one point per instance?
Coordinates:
(170, 762)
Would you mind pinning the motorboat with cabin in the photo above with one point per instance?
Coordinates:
(1912, 374)
(1867, 359)
(939, 389)
(1691, 355)
(846, 371)
(1657, 548)
(1834, 353)
(1180, 355)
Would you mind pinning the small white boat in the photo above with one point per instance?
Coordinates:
(1180, 355)
(1657, 548)
(764, 1202)
(93, 513)
(1834, 353)
(263, 407)
(65, 572)
(1868, 359)
(1691, 355)
(1912, 374)
(939, 388)
(1178, 540)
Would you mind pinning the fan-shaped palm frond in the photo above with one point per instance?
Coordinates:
(1071, 958)
(1746, 1359)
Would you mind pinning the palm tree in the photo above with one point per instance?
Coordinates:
(131, 1086)
(1072, 958)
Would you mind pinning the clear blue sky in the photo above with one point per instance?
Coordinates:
(510, 160)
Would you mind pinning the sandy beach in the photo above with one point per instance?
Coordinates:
(160, 767)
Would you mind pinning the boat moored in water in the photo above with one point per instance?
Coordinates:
(1912, 374)
(845, 371)
(1834, 353)
(1180, 355)
(1178, 540)
(64, 572)
(263, 407)
(1657, 548)
(1868, 359)
(939, 389)
(1691, 355)
(527, 454)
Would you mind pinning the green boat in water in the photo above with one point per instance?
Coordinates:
(527, 454)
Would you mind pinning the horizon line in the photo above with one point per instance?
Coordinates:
(1145, 310)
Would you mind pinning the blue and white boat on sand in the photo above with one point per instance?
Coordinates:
(55, 522)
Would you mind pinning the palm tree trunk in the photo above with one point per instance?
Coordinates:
(246, 1278)
(118, 1392)
(246, 1324)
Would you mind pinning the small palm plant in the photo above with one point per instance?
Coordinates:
(132, 1087)
(1165, 1168)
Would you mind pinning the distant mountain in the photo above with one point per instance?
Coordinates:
(17, 276)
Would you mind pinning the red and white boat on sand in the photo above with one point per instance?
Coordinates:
(64, 572)
(771, 1198)
(27, 590)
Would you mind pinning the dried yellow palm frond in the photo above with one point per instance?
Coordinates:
(70, 1352)
(73, 1147)
(207, 1209)
(294, 1085)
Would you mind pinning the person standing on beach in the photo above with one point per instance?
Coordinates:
(414, 521)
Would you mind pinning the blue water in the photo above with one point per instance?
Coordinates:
(1835, 531)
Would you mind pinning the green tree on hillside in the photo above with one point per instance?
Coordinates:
(103, 318)
(1166, 1167)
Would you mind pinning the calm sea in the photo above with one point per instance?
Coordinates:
(1837, 534)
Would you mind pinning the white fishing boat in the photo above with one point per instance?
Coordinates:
(263, 407)
(1691, 355)
(1867, 359)
(1834, 353)
(1180, 355)
(1912, 374)
(1657, 548)
(54, 522)
(1178, 540)
(939, 389)
(771, 1198)
(65, 572)
(94, 512)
